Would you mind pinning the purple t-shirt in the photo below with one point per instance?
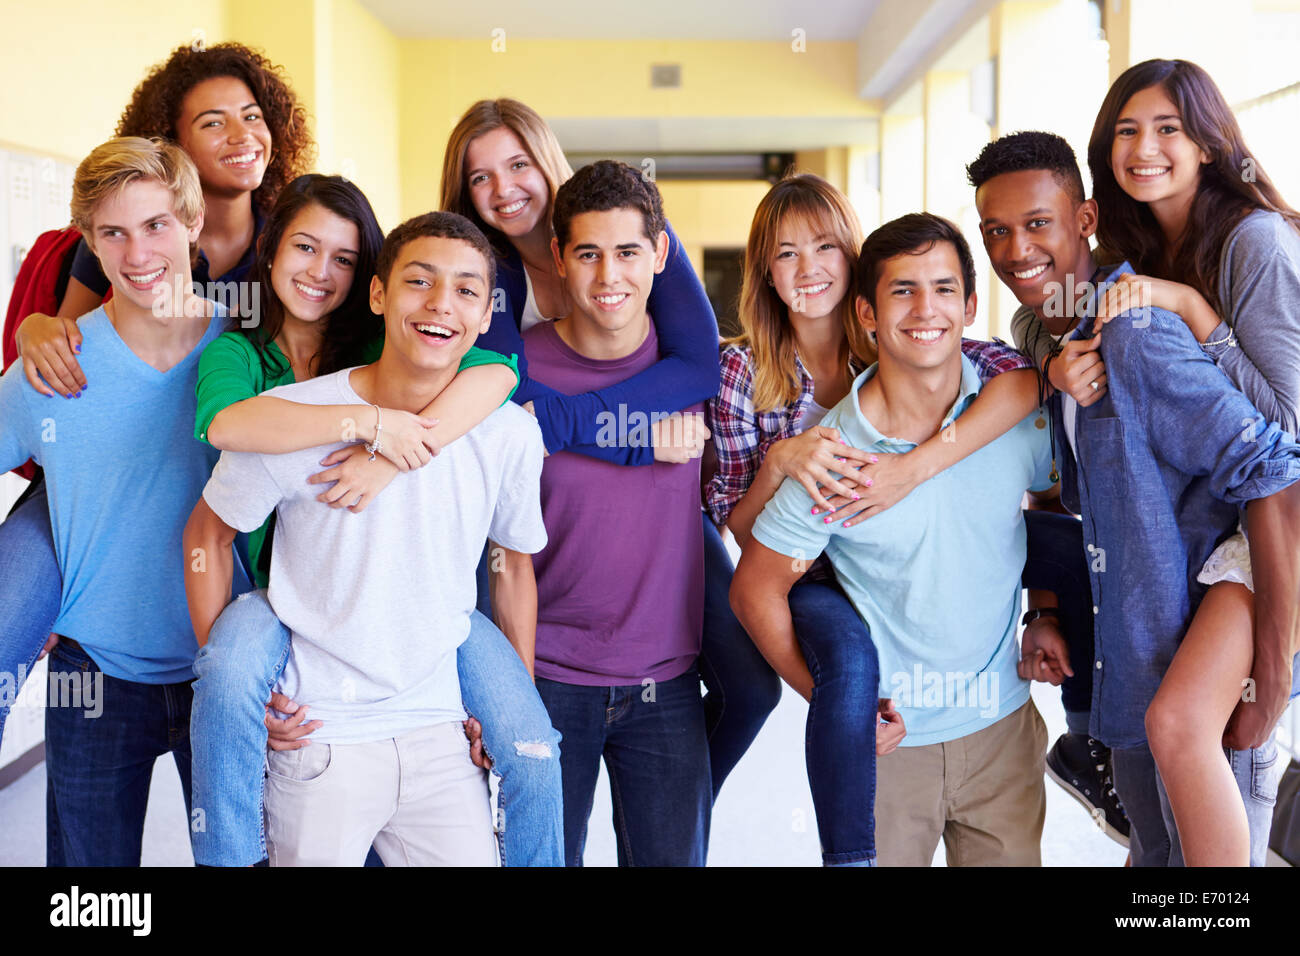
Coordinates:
(620, 583)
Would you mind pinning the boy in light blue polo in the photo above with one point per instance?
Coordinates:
(936, 578)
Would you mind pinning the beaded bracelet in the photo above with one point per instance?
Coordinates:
(1230, 340)
(373, 447)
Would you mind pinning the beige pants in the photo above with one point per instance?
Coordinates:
(982, 793)
(418, 798)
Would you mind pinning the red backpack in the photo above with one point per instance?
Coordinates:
(36, 289)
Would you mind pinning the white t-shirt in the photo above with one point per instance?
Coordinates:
(378, 602)
(1070, 412)
(1069, 407)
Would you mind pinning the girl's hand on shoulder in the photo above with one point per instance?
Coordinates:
(48, 345)
(679, 437)
(1143, 292)
(809, 458)
(1124, 293)
(357, 479)
(891, 479)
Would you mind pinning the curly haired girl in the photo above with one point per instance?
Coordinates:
(232, 110)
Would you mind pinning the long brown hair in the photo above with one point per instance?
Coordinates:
(483, 117)
(1230, 187)
(764, 317)
(350, 327)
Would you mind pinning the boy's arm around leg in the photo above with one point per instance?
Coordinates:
(759, 595)
(209, 567)
(514, 599)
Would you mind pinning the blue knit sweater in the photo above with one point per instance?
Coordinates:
(687, 371)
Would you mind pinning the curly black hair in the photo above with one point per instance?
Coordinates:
(1031, 149)
(607, 184)
(156, 104)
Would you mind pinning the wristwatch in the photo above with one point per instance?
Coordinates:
(1034, 613)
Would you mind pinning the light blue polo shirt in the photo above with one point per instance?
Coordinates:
(936, 578)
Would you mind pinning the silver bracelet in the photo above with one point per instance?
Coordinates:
(373, 447)
(1230, 340)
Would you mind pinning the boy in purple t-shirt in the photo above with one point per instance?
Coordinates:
(620, 585)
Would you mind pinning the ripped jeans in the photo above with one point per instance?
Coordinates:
(242, 661)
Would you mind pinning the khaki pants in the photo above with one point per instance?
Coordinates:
(418, 798)
(982, 793)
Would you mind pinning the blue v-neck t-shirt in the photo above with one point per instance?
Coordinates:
(123, 471)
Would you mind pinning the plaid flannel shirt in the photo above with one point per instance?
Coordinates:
(742, 436)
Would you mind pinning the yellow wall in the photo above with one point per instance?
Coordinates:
(344, 67)
(711, 214)
(441, 78)
(288, 38)
(366, 90)
(62, 88)
(830, 164)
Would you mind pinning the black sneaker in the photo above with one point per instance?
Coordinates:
(1081, 766)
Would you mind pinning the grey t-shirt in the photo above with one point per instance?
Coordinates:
(1259, 292)
(378, 602)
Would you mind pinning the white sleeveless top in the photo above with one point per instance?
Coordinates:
(530, 316)
(811, 415)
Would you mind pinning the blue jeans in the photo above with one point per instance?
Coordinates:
(652, 739)
(1056, 562)
(240, 665)
(1153, 838)
(742, 689)
(840, 736)
(31, 588)
(99, 766)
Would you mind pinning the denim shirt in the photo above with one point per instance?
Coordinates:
(1167, 458)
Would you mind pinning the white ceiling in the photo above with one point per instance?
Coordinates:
(897, 41)
(840, 20)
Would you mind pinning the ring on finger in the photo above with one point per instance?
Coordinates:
(1094, 385)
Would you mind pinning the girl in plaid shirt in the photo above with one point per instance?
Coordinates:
(797, 355)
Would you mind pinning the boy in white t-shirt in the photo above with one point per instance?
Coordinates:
(378, 602)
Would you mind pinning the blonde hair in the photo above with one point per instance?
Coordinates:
(483, 117)
(114, 165)
(764, 317)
